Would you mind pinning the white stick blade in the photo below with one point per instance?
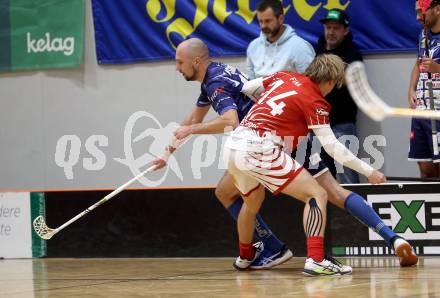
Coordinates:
(42, 230)
(362, 94)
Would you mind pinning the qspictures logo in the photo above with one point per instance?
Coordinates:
(145, 138)
(412, 216)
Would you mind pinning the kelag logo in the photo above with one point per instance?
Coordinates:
(41, 34)
(413, 216)
(48, 44)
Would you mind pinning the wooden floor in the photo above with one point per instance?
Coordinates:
(213, 277)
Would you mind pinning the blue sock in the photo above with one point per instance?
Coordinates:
(363, 212)
(262, 231)
(234, 208)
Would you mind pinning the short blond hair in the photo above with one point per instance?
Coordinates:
(326, 68)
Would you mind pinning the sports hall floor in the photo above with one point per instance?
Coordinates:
(212, 277)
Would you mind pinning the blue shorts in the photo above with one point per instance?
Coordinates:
(420, 144)
(308, 154)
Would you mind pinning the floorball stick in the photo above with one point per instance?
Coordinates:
(371, 104)
(46, 233)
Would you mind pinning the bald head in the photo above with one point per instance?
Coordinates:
(192, 59)
(194, 47)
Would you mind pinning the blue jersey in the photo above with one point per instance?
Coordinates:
(422, 89)
(221, 88)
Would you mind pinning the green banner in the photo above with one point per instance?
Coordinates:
(38, 207)
(38, 34)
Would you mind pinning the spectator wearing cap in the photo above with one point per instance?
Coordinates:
(338, 40)
(278, 47)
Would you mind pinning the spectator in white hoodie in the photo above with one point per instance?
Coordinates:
(278, 47)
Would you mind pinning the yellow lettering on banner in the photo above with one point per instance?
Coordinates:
(183, 27)
(180, 26)
(286, 9)
(335, 4)
(245, 11)
(220, 12)
(304, 9)
(201, 12)
(154, 6)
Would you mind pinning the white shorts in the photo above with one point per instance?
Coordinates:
(273, 168)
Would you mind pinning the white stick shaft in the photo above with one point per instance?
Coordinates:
(429, 114)
(105, 199)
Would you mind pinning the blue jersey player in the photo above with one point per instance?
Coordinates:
(221, 89)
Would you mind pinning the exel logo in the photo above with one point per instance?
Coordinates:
(413, 216)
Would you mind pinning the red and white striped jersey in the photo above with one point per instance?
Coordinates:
(291, 105)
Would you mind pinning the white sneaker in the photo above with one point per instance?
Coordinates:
(269, 259)
(326, 267)
(344, 268)
(405, 252)
(243, 264)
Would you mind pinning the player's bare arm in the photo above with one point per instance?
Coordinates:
(412, 98)
(197, 115)
(229, 119)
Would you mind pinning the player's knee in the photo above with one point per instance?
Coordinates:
(254, 200)
(220, 194)
(252, 207)
(225, 197)
(428, 170)
(337, 196)
(320, 195)
(428, 173)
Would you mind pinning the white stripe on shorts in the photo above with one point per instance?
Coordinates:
(272, 168)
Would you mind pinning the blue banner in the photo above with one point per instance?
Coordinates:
(145, 30)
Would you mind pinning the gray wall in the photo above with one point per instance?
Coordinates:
(93, 103)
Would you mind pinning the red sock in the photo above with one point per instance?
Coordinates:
(315, 248)
(247, 250)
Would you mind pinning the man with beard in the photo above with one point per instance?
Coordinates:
(338, 40)
(278, 47)
(421, 142)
